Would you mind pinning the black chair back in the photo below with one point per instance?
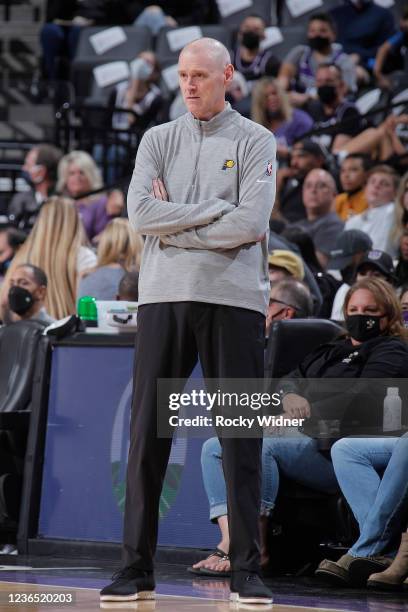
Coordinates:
(291, 340)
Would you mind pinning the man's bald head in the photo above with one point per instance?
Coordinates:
(209, 47)
(205, 70)
(319, 189)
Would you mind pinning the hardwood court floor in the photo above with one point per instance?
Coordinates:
(177, 591)
(13, 595)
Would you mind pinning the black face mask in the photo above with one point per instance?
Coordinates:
(327, 94)
(250, 40)
(20, 300)
(363, 327)
(318, 43)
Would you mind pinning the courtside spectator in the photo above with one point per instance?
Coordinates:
(11, 240)
(321, 223)
(377, 220)
(353, 176)
(401, 270)
(372, 474)
(400, 223)
(56, 244)
(78, 176)
(362, 26)
(119, 250)
(376, 264)
(248, 57)
(64, 21)
(391, 55)
(299, 67)
(272, 109)
(305, 156)
(40, 172)
(350, 248)
(284, 264)
(27, 293)
(289, 299)
(175, 13)
(332, 112)
(128, 288)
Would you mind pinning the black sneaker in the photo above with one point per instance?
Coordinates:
(129, 584)
(249, 588)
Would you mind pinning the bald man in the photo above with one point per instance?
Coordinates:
(202, 192)
(323, 225)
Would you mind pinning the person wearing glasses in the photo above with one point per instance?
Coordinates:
(289, 299)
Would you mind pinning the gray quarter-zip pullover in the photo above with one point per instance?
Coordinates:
(209, 242)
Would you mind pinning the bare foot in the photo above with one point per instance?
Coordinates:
(212, 562)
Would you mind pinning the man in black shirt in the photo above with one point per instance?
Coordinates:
(339, 118)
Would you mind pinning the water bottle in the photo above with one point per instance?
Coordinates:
(87, 311)
(392, 410)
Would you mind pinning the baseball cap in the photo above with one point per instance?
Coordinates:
(288, 261)
(310, 146)
(380, 260)
(348, 243)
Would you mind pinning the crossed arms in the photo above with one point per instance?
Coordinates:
(208, 224)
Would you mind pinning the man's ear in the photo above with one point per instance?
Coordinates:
(289, 313)
(229, 73)
(41, 293)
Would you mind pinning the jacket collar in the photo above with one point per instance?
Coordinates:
(212, 126)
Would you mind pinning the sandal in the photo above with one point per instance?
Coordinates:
(204, 571)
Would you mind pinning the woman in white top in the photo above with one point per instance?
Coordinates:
(57, 245)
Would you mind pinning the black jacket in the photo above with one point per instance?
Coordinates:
(347, 395)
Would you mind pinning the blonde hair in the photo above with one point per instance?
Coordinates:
(398, 227)
(53, 245)
(87, 165)
(258, 108)
(386, 300)
(119, 243)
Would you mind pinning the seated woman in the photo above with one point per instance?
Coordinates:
(57, 245)
(374, 348)
(272, 109)
(380, 505)
(78, 175)
(119, 251)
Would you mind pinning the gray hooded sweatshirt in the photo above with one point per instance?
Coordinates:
(209, 242)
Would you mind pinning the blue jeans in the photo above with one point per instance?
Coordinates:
(155, 20)
(58, 41)
(296, 457)
(380, 505)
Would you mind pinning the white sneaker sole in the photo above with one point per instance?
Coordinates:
(134, 597)
(234, 597)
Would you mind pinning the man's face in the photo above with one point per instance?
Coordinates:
(302, 161)
(352, 174)
(370, 271)
(320, 28)
(318, 192)
(380, 189)
(36, 171)
(329, 75)
(23, 277)
(253, 24)
(203, 81)
(277, 310)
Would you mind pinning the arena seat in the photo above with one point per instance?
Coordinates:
(19, 344)
(301, 336)
(287, 19)
(264, 8)
(138, 39)
(166, 55)
(292, 36)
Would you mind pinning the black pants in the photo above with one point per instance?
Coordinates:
(170, 337)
